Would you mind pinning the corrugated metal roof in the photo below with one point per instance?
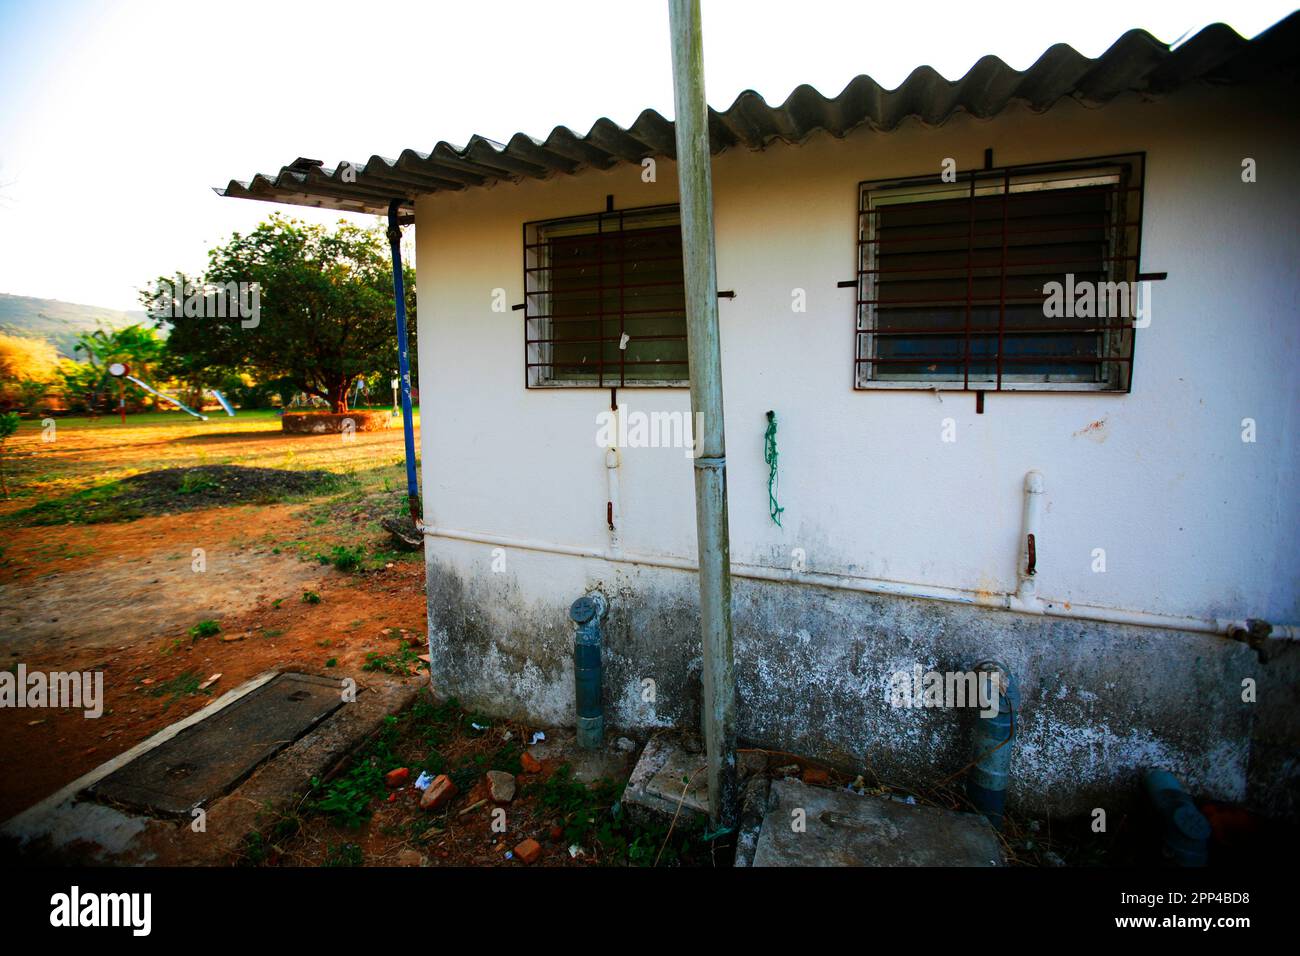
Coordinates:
(1136, 63)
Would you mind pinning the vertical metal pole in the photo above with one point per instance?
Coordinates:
(403, 363)
(696, 186)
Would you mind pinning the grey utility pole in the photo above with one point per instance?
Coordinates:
(696, 186)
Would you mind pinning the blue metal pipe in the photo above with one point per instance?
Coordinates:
(403, 362)
(587, 613)
(1187, 832)
(986, 786)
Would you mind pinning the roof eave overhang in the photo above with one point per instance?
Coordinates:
(1136, 63)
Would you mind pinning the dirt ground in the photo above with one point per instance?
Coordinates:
(123, 597)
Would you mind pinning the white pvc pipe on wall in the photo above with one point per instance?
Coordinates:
(874, 586)
(612, 461)
(1026, 597)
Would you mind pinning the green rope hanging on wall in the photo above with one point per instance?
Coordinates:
(770, 456)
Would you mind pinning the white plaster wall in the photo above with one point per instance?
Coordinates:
(1194, 521)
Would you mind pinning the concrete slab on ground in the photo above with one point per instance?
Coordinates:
(207, 760)
(847, 829)
(69, 828)
(610, 762)
(667, 776)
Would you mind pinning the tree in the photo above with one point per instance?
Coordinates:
(136, 346)
(197, 356)
(27, 368)
(83, 384)
(323, 303)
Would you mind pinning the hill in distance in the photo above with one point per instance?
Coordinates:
(59, 323)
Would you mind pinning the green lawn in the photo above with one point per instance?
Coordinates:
(77, 455)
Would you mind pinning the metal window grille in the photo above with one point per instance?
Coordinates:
(953, 278)
(605, 300)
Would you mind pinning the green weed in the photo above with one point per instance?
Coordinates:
(185, 684)
(204, 629)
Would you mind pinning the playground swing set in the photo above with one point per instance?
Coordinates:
(122, 372)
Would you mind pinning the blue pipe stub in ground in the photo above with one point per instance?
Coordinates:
(986, 784)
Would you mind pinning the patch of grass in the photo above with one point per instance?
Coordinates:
(169, 490)
(343, 558)
(206, 628)
(185, 684)
(196, 481)
(332, 662)
(346, 798)
(593, 817)
(346, 854)
(254, 849)
(433, 722)
(434, 725)
(263, 846)
(310, 597)
(103, 501)
(404, 661)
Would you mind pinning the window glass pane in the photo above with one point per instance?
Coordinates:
(953, 278)
(599, 279)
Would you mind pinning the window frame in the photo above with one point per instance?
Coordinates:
(539, 367)
(1118, 347)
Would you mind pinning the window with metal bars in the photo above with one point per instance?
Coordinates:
(954, 278)
(605, 300)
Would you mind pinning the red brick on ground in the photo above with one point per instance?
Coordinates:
(817, 777)
(397, 778)
(439, 792)
(528, 851)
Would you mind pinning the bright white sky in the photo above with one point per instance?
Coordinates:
(116, 119)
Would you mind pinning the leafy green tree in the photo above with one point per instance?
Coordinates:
(324, 308)
(83, 384)
(136, 346)
(194, 370)
(31, 393)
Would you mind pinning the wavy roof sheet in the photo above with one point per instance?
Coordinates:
(1136, 63)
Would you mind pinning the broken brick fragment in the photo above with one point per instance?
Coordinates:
(817, 777)
(501, 786)
(397, 778)
(438, 792)
(530, 763)
(529, 850)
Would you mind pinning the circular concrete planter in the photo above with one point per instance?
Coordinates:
(326, 423)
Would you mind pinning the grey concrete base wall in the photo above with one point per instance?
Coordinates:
(1099, 702)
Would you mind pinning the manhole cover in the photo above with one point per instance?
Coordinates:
(209, 759)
